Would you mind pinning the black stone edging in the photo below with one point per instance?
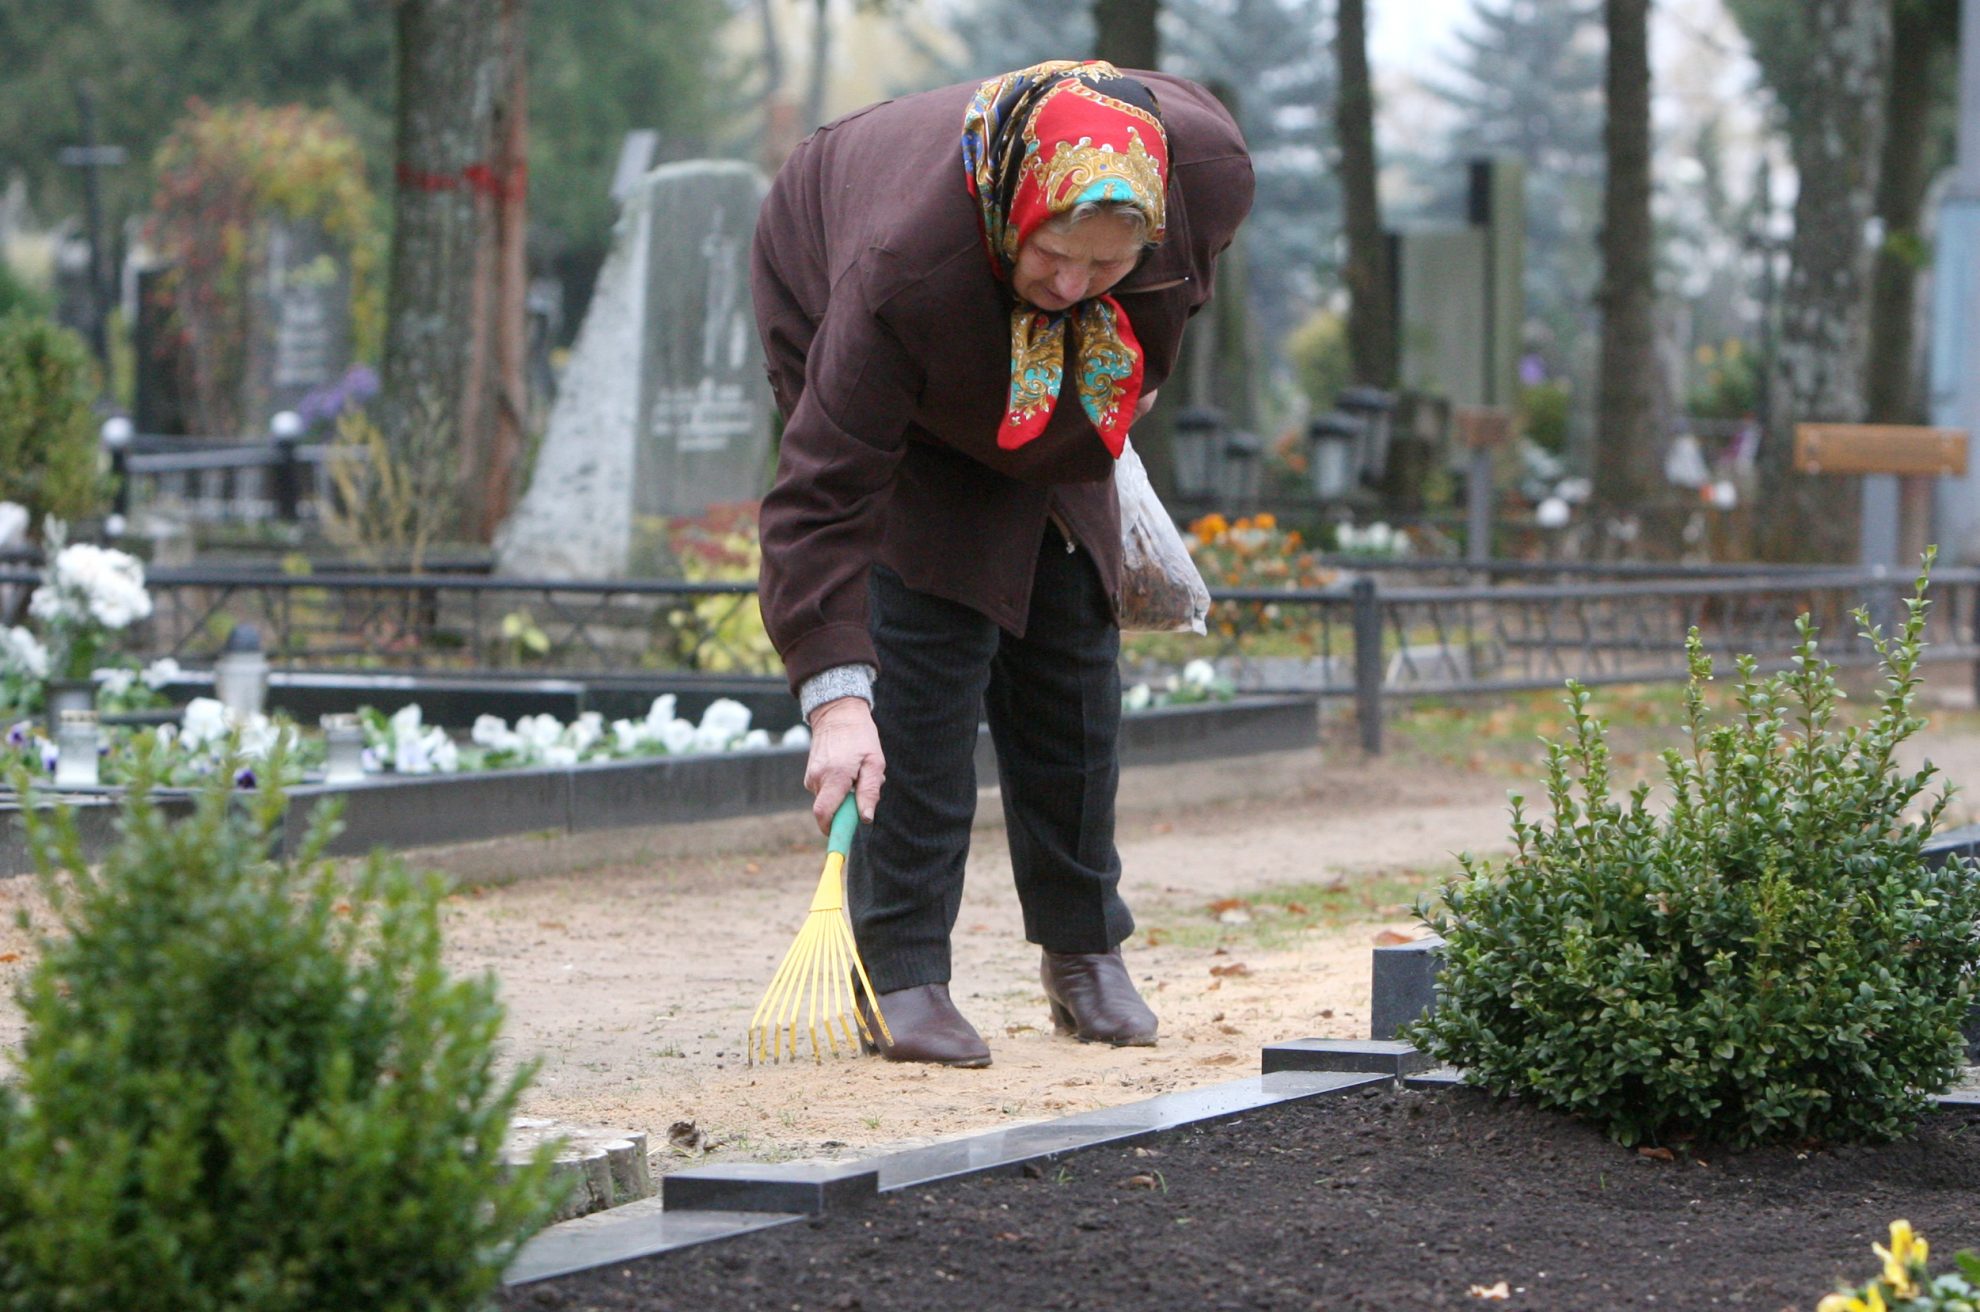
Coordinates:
(401, 811)
(718, 1202)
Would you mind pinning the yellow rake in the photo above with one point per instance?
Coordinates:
(814, 985)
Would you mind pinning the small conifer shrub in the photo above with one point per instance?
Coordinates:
(1764, 955)
(249, 1083)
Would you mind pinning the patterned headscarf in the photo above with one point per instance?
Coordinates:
(1036, 143)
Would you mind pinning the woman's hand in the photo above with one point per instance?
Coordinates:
(1145, 404)
(845, 758)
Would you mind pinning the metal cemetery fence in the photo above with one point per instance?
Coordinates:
(1367, 638)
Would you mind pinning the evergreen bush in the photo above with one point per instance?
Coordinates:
(249, 1083)
(48, 446)
(1767, 957)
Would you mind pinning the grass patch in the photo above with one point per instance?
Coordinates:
(1277, 917)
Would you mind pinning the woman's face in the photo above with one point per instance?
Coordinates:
(1059, 267)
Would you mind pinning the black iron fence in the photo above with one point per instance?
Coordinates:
(1368, 638)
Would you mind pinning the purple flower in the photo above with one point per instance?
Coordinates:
(18, 735)
(1532, 370)
(244, 777)
(48, 757)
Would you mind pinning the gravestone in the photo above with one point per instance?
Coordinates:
(663, 409)
(159, 364)
(299, 320)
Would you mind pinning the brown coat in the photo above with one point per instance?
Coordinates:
(888, 345)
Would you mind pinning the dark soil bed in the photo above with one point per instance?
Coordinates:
(1385, 1200)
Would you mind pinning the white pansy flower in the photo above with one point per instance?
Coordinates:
(409, 756)
(585, 732)
(627, 735)
(539, 731)
(1137, 698)
(661, 712)
(677, 736)
(727, 718)
(754, 741)
(22, 653)
(796, 736)
(204, 721)
(160, 672)
(13, 523)
(114, 682)
(559, 754)
(446, 757)
(492, 731)
(1199, 674)
(407, 722)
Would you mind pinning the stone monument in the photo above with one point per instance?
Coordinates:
(663, 409)
(299, 320)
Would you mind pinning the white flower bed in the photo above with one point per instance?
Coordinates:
(404, 744)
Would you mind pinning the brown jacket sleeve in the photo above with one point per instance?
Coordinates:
(841, 446)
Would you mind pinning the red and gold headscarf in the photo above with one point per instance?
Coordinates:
(1036, 143)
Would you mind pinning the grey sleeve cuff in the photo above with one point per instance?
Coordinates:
(830, 685)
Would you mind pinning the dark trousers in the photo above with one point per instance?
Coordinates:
(1053, 701)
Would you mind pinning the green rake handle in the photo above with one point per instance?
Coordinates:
(844, 822)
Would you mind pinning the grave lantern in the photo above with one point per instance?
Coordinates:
(1197, 457)
(76, 741)
(343, 739)
(1375, 409)
(1241, 468)
(1334, 438)
(240, 676)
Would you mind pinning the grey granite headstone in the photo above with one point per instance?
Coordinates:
(299, 320)
(663, 409)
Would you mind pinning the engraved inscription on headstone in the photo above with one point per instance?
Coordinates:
(663, 409)
(300, 338)
(705, 409)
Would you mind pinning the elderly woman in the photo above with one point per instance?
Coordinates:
(959, 339)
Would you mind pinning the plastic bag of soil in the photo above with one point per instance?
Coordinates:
(1161, 590)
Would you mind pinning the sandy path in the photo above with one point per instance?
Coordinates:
(631, 971)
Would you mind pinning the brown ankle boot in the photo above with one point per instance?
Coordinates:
(1093, 999)
(924, 1026)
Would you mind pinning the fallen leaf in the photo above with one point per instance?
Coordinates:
(752, 868)
(1235, 968)
(1140, 1182)
(550, 924)
(1297, 909)
(1220, 1059)
(1389, 938)
(1221, 952)
(10, 956)
(1157, 937)
(686, 1136)
(1015, 1030)
(1213, 986)
(1224, 904)
(1326, 1013)
(1497, 1293)
(1214, 1019)
(1229, 1029)
(1164, 827)
(1656, 1154)
(1009, 1236)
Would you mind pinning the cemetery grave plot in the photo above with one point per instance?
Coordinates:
(1365, 1199)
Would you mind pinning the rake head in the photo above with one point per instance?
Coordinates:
(818, 985)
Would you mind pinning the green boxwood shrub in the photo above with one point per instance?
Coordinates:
(249, 1083)
(48, 444)
(1766, 956)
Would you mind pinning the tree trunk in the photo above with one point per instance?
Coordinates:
(1371, 323)
(1125, 32)
(1818, 365)
(1888, 392)
(456, 248)
(1626, 467)
(821, 63)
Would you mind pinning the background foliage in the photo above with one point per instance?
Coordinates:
(48, 447)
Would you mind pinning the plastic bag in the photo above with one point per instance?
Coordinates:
(1161, 590)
